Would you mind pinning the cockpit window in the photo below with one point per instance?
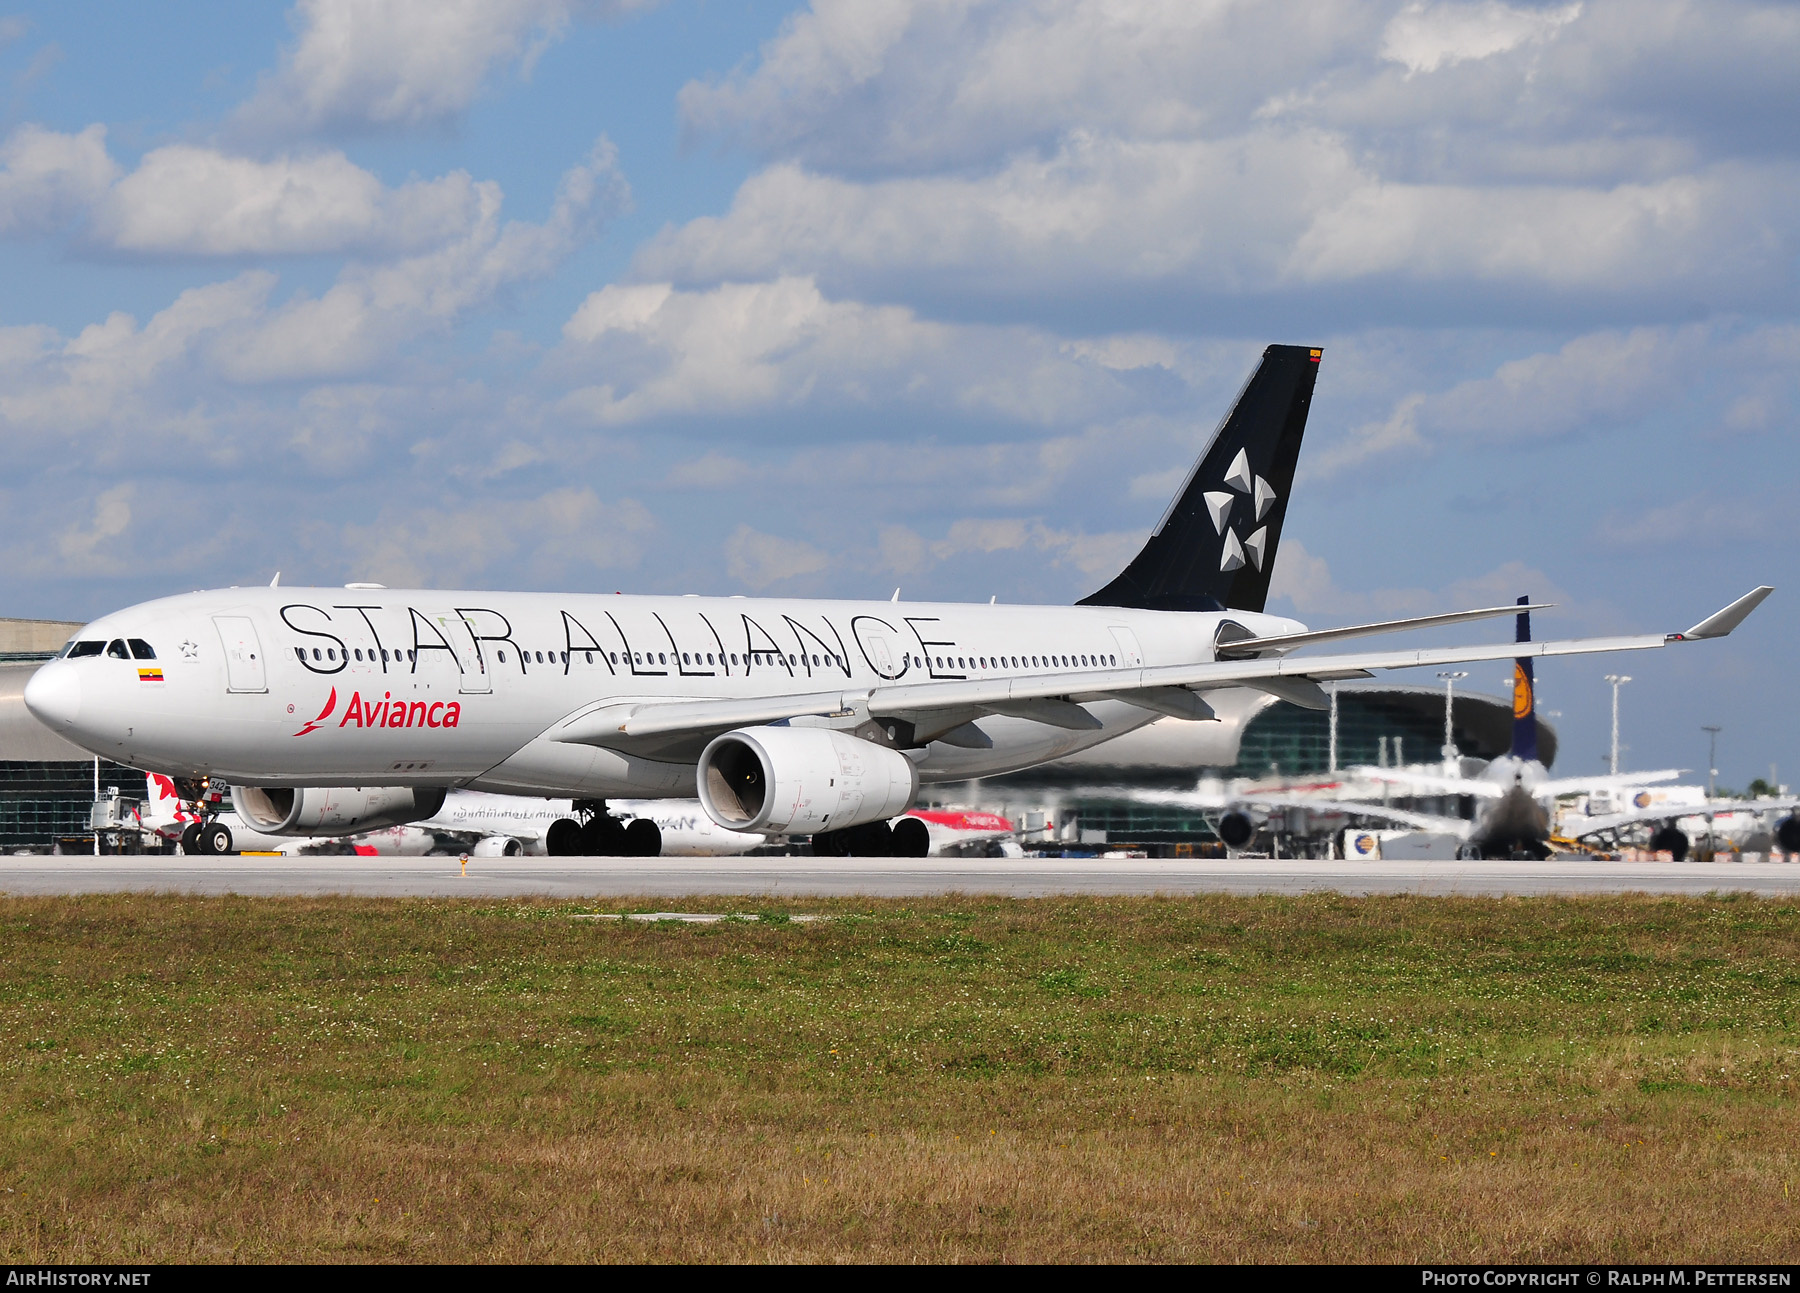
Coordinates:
(79, 649)
(116, 649)
(140, 649)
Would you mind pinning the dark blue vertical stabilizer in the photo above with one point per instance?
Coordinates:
(1525, 743)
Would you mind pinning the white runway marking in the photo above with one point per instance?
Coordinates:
(868, 877)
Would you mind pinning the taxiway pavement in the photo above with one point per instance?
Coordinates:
(866, 877)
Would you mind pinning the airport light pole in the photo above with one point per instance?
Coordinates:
(1331, 735)
(1617, 680)
(1712, 758)
(1450, 679)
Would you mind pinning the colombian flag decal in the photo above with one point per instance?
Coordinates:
(150, 675)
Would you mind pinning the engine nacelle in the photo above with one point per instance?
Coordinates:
(798, 780)
(497, 846)
(333, 810)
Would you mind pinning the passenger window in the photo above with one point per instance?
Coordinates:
(734, 657)
(501, 655)
(318, 654)
(331, 654)
(301, 652)
(613, 656)
(412, 656)
(116, 649)
(590, 657)
(140, 649)
(565, 657)
(684, 657)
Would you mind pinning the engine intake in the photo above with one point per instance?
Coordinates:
(797, 780)
(333, 810)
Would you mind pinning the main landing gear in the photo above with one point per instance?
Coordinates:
(907, 837)
(602, 835)
(206, 839)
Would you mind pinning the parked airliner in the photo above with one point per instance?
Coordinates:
(783, 716)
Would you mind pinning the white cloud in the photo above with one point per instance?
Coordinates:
(186, 200)
(87, 549)
(967, 155)
(1425, 37)
(48, 385)
(742, 347)
(47, 178)
(1277, 211)
(373, 64)
(1738, 379)
(560, 535)
(1305, 581)
(758, 560)
(356, 324)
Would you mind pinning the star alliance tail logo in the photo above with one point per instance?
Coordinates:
(330, 704)
(1219, 504)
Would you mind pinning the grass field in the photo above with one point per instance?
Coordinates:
(1197, 1079)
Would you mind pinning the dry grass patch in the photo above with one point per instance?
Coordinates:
(1218, 1078)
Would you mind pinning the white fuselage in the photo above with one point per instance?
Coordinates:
(360, 686)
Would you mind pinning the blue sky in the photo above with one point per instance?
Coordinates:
(743, 297)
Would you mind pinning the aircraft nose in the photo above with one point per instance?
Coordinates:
(54, 694)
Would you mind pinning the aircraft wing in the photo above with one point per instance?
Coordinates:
(968, 698)
(1354, 808)
(1585, 826)
(1579, 785)
(1426, 783)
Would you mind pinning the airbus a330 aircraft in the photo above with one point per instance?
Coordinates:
(784, 716)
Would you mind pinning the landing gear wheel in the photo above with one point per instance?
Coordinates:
(563, 839)
(215, 839)
(873, 840)
(1788, 835)
(1670, 840)
(912, 838)
(603, 837)
(643, 839)
(190, 839)
(830, 844)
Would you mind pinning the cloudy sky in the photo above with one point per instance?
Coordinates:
(725, 296)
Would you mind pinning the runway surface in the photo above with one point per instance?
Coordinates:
(870, 877)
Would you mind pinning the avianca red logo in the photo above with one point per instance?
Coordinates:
(330, 704)
(388, 712)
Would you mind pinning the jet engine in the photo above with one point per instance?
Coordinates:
(799, 780)
(497, 846)
(1787, 834)
(333, 810)
(1236, 829)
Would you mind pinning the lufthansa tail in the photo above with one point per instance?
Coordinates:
(1215, 547)
(1524, 731)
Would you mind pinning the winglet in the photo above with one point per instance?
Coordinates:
(1722, 622)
